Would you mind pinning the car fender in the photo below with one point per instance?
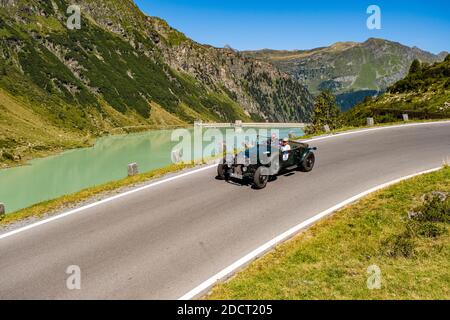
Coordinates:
(306, 153)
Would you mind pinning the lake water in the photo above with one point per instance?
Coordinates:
(75, 170)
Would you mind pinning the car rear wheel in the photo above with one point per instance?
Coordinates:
(308, 163)
(260, 180)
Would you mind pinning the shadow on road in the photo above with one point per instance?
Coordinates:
(246, 182)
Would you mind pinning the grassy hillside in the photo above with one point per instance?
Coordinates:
(119, 71)
(61, 88)
(424, 94)
(331, 260)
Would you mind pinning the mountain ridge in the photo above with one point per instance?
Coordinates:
(348, 68)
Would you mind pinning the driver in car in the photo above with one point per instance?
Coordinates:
(285, 149)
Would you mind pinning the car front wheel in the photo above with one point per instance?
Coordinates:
(260, 180)
(222, 172)
(308, 163)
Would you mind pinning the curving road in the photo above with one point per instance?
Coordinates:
(161, 242)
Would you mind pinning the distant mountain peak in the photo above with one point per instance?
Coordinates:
(443, 54)
(351, 69)
(343, 45)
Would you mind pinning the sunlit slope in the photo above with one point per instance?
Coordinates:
(124, 69)
(423, 94)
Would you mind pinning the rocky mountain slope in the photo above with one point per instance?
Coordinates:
(351, 70)
(60, 87)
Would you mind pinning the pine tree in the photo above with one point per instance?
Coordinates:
(416, 67)
(326, 112)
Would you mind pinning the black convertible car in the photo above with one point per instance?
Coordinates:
(266, 160)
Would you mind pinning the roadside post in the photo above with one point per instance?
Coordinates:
(326, 128)
(370, 122)
(238, 126)
(198, 123)
(176, 156)
(405, 117)
(133, 169)
(198, 142)
(2, 210)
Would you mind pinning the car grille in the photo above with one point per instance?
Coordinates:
(238, 170)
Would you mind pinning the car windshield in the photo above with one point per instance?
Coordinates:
(265, 148)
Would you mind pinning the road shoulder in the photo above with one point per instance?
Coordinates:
(336, 258)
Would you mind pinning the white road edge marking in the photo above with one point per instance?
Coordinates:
(95, 204)
(356, 131)
(229, 271)
(63, 215)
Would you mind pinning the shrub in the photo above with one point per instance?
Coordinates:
(8, 156)
(424, 221)
(430, 230)
(400, 245)
(435, 208)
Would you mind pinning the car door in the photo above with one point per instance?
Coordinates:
(287, 158)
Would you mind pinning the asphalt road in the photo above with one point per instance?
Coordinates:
(162, 242)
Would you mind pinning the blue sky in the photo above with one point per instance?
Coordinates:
(298, 24)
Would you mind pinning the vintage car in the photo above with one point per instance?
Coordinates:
(265, 160)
